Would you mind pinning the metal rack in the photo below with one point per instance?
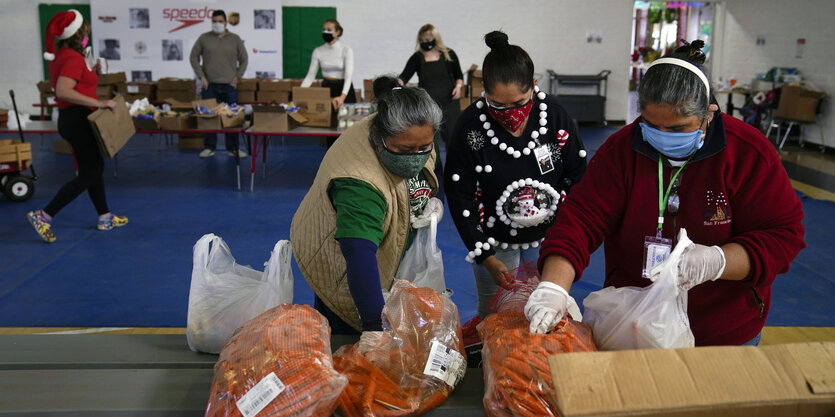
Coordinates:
(582, 107)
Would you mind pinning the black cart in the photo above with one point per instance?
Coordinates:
(582, 107)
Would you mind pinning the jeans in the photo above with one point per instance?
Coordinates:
(486, 287)
(223, 93)
(755, 341)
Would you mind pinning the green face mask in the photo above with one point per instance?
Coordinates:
(403, 165)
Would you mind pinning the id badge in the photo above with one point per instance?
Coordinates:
(543, 159)
(656, 250)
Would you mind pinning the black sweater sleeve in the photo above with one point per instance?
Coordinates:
(410, 69)
(455, 66)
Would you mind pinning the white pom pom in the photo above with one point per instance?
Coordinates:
(532, 144)
(491, 241)
(494, 141)
(515, 184)
(470, 254)
(543, 130)
(486, 125)
(534, 134)
(525, 246)
(517, 154)
(478, 168)
(490, 225)
(466, 213)
(503, 218)
(526, 151)
(456, 177)
(543, 122)
(477, 252)
(543, 106)
(536, 88)
(504, 245)
(535, 243)
(543, 115)
(479, 104)
(528, 181)
(490, 132)
(553, 207)
(482, 117)
(505, 194)
(509, 150)
(535, 183)
(514, 246)
(486, 246)
(540, 95)
(513, 232)
(582, 153)
(503, 146)
(488, 169)
(49, 57)
(479, 245)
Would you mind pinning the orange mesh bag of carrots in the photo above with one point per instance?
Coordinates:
(277, 364)
(412, 365)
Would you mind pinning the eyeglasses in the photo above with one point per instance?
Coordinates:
(502, 107)
(673, 202)
(423, 150)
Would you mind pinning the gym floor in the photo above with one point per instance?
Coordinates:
(136, 279)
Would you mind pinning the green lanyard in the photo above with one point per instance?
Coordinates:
(663, 197)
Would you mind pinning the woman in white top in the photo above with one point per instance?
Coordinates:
(337, 62)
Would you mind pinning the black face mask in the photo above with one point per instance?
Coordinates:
(327, 37)
(427, 46)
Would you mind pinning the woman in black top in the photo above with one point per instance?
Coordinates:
(514, 155)
(439, 73)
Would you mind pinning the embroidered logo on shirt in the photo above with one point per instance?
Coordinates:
(475, 140)
(717, 210)
(419, 194)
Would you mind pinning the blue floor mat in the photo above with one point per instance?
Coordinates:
(139, 275)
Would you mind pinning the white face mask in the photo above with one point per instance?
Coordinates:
(218, 27)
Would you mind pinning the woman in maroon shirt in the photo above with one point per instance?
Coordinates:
(75, 95)
(720, 180)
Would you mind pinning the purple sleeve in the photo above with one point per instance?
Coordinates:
(364, 280)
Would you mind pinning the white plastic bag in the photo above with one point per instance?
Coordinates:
(423, 264)
(642, 318)
(225, 295)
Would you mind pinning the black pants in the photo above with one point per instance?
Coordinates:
(336, 89)
(74, 127)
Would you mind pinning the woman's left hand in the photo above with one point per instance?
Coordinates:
(456, 92)
(338, 101)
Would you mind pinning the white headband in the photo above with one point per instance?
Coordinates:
(684, 64)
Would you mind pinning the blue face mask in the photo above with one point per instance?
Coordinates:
(677, 145)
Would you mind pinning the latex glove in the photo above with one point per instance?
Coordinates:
(546, 306)
(698, 263)
(368, 340)
(434, 206)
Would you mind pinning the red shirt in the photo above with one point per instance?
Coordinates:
(733, 190)
(70, 63)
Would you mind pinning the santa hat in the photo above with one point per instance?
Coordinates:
(63, 25)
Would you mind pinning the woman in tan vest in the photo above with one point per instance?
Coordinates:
(375, 186)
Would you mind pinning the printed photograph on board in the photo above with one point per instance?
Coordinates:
(110, 49)
(139, 18)
(140, 76)
(172, 49)
(264, 19)
(264, 74)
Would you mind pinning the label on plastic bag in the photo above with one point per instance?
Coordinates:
(445, 364)
(260, 395)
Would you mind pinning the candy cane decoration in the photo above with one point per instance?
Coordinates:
(562, 135)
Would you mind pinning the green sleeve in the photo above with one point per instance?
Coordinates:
(360, 210)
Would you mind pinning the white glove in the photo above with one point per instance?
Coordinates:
(434, 206)
(546, 306)
(698, 263)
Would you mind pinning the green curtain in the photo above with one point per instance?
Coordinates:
(301, 33)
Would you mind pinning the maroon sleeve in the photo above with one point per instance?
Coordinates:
(593, 207)
(73, 68)
(767, 218)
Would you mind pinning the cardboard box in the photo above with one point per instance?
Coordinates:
(368, 90)
(189, 141)
(233, 121)
(275, 85)
(4, 117)
(315, 105)
(247, 84)
(105, 92)
(177, 84)
(798, 104)
(61, 146)
(13, 150)
(246, 96)
(779, 380)
(177, 122)
(179, 95)
(114, 78)
(272, 96)
(274, 119)
(146, 124)
(112, 128)
(44, 87)
(133, 91)
(474, 77)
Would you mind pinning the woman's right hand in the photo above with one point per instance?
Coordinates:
(111, 104)
(501, 276)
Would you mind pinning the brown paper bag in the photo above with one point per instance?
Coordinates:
(113, 129)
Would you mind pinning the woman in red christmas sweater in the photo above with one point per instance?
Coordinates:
(75, 94)
(681, 165)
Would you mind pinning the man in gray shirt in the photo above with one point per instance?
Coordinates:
(224, 62)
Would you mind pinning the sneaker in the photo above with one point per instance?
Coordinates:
(41, 225)
(205, 153)
(111, 222)
(241, 154)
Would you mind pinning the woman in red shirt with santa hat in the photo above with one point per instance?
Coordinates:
(75, 94)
